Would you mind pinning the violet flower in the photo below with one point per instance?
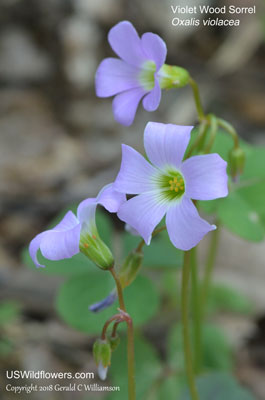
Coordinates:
(168, 184)
(74, 234)
(135, 75)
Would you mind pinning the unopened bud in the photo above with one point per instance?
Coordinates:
(237, 158)
(114, 342)
(130, 267)
(102, 352)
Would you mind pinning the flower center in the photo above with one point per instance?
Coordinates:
(147, 75)
(172, 185)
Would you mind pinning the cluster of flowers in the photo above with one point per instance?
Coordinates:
(165, 185)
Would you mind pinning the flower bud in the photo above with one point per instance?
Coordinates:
(96, 250)
(114, 342)
(130, 267)
(173, 77)
(237, 157)
(102, 352)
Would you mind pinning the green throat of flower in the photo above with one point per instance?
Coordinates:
(147, 75)
(172, 185)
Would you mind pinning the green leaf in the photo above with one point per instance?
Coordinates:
(254, 195)
(218, 386)
(161, 253)
(9, 310)
(78, 264)
(240, 218)
(216, 352)
(147, 369)
(79, 292)
(170, 388)
(255, 164)
(6, 347)
(225, 298)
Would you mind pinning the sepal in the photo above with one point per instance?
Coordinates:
(96, 250)
(173, 77)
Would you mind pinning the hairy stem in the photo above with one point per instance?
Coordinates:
(185, 326)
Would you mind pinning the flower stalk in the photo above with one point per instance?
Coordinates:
(197, 98)
(130, 337)
(185, 326)
(195, 301)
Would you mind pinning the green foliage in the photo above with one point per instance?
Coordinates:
(9, 310)
(170, 388)
(218, 386)
(79, 292)
(242, 211)
(225, 298)
(216, 352)
(147, 369)
(160, 255)
(240, 218)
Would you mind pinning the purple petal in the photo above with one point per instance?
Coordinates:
(126, 43)
(135, 173)
(185, 227)
(34, 247)
(69, 221)
(125, 105)
(205, 177)
(60, 242)
(105, 303)
(165, 144)
(86, 211)
(151, 100)
(154, 48)
(114, 76)
(102, 371)
(143, 213)
(59, 245)
(109, 198)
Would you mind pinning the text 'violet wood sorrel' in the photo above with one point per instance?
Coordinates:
(168, 184)
(74, 234)
(139, 73)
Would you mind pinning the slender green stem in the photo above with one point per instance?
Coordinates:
(201, 133)
(209, 270)
(185, 326)
(196, 95)
(213, 130)
(131, 362)
(130, 338)
(195, 298)
(119, 289)
(116, 318)
(229, 129)
(156, 232)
